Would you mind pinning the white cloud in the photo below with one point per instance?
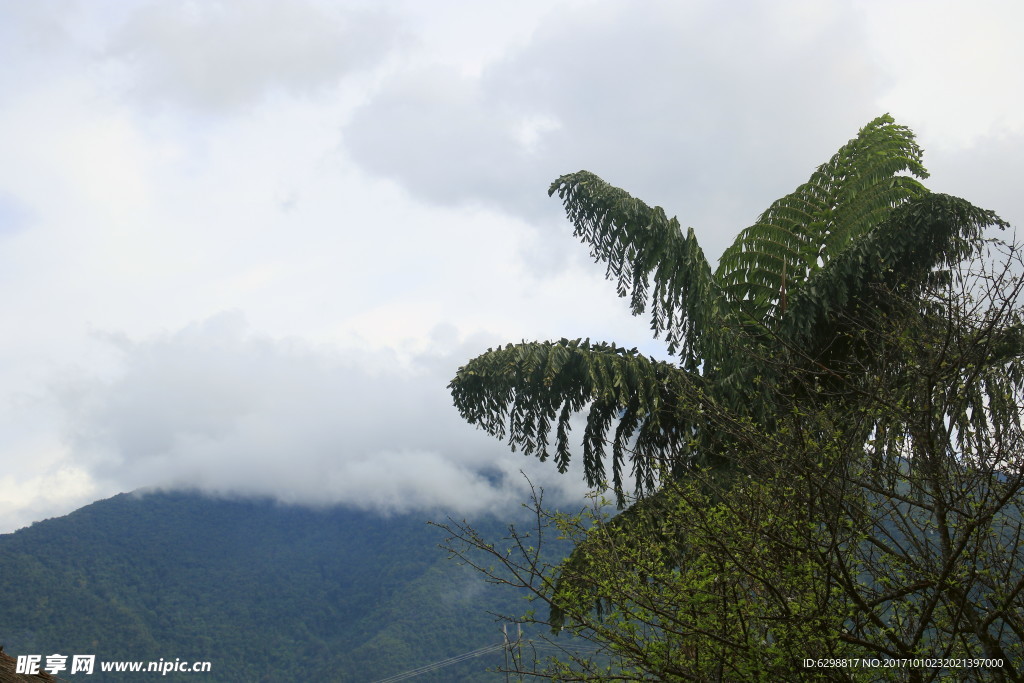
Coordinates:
(955, 69)
(218, 408)
(57, 491)
(365, 184)
(710, 110)
(230, 53)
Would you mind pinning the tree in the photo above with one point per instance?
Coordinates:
(902, 550)
(853, 231)
(808, 340)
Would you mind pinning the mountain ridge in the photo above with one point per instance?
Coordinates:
(260, 589)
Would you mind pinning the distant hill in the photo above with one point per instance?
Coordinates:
(262, 591)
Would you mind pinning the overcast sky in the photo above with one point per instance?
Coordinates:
(245, 244)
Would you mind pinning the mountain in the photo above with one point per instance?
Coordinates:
(263, 591)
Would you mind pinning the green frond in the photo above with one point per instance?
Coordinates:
(524, 392)
(843, 199)
(902, 253)
(644, 248)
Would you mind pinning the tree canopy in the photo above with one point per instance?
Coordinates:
(789, 285)
(833, 464)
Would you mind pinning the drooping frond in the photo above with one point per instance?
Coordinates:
(524, 392)
(843, 199)
(648, 255)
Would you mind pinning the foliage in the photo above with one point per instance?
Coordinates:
(833, 247)
(834, 465)
(901, 546)
(264, 592)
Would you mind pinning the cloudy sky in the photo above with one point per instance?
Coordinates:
(244, 244)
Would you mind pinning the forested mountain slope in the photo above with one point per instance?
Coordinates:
(264, 592)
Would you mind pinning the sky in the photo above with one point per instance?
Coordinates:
(245, 244)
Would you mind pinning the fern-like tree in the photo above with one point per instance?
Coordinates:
(817, 360)
(905, 547)
(787, 287)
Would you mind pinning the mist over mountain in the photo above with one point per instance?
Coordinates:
(263, 591)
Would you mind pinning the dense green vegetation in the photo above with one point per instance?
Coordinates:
(264, 592)
(832, 466)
